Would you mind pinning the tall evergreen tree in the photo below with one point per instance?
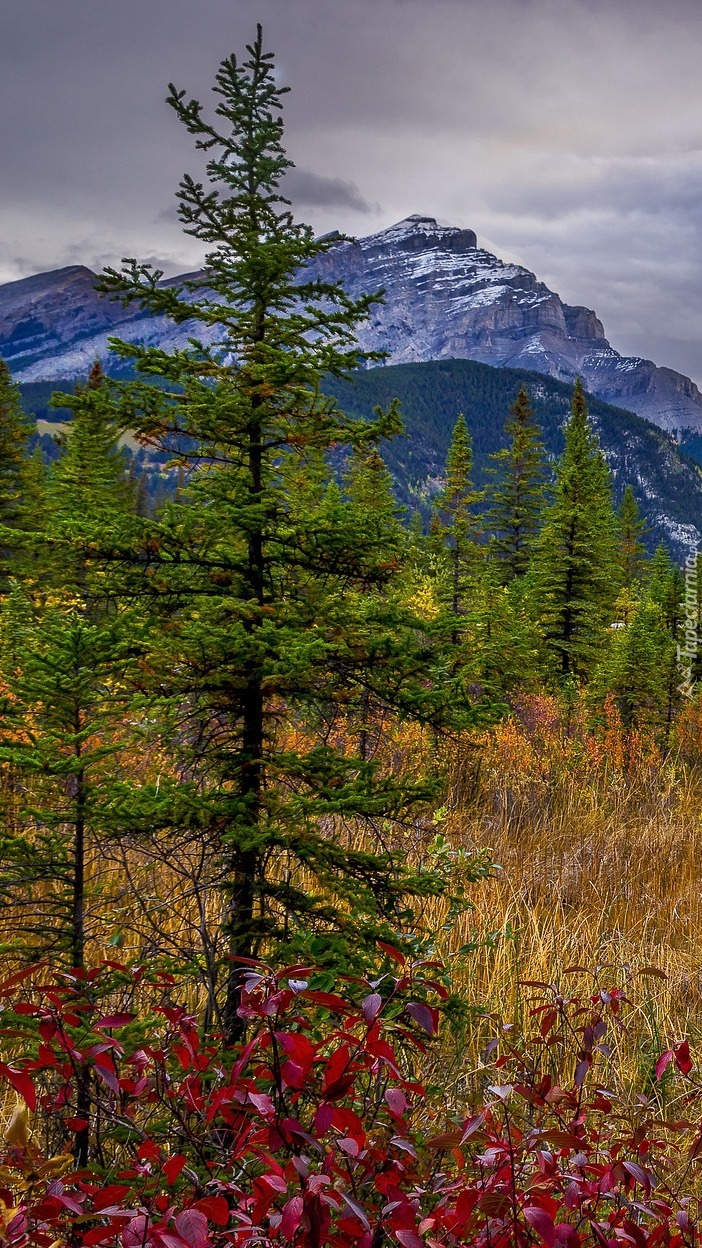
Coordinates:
(89, 484)
(455, 506)
(368, 486)
(61, 675)
(517, 496)
(632, 552)
(266, 614)
(575, 564)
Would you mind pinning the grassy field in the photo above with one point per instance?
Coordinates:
(598, 838)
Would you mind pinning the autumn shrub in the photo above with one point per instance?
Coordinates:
(319, 1130)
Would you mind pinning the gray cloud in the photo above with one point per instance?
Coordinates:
(314, 190)
(562, 131)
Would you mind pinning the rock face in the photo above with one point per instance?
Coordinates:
(42, 317)
(444, 298)
(447, 298)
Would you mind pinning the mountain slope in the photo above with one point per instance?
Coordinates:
(666, 483)
(448, 299)
(445, 298)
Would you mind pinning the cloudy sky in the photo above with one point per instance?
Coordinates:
(567, 133)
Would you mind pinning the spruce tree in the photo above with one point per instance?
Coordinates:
(89, 484)
(517, 496)
(575, 563)
(632, 552)
(458, 528)
(368, 486)
(502, 646)
(61, 673)
(267, 617)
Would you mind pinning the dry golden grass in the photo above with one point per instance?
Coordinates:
(599, 844)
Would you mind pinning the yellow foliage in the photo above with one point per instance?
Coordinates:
(422, 598)
(17, 1130)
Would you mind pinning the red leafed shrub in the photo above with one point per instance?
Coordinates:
(316, 1132)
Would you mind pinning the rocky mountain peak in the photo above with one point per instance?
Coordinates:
(420, 233)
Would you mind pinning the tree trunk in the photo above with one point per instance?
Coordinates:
(244, 859)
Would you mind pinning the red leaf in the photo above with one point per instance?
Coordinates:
(663, 1063)
(547, 1021)
(19, 976)
(683, 1060)
(323, 1118)
(598, 1233)
(542, 1223)
(21, 1082)
(409, 1239)
(115, 1020)
(191, 1225)
(136, 1233)
(111, 1195)
(293, 1075)
(566, 1236)
(99, 1236)
(425, 1016)
(357, 1209)
(474, 1124)
(328, 999)
(392, 952)
(581, 1071)
(371, 1006)
(396, 1101)
(263, 1103)
(292, 1217)
(76, 1124)
(335, 1068)
(173, 1167)
(105, 1069)
(184, 1055)
(298, 1047)
(637, 1173)
(215, 1209)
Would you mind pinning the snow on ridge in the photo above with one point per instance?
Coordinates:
(415, 224)
(684, 534)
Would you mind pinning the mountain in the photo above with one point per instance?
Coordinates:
(462, 330)
(667, 484)
(445, 298)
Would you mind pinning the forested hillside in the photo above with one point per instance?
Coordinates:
(349, 865)
(667, 483)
